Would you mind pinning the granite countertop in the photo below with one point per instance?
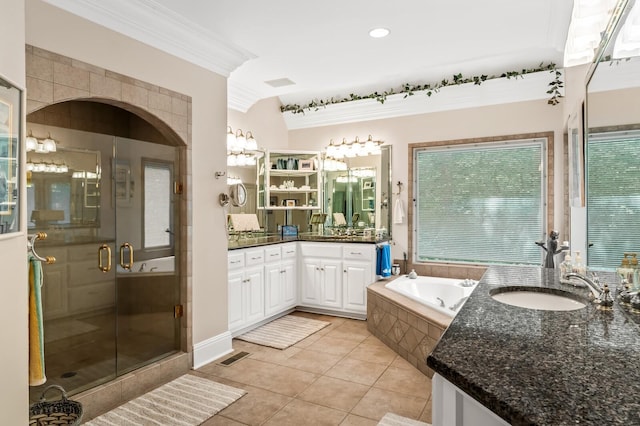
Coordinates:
(275, 239)
(534, 367)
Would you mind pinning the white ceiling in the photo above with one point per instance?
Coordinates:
(324, 46)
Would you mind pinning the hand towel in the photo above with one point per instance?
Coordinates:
(398, 212)
(36, 331)
(383, 260)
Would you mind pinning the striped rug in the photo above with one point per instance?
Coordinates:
(186, 401)
(283, 332)
(391, 419)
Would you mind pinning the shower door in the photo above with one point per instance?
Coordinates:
(110, 302)
(147, 285)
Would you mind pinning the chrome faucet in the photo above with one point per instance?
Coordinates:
(593, 284)
(142, 267)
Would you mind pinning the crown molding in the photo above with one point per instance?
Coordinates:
(240, 97)
(159, 27)
(528, 87)
(616, 75)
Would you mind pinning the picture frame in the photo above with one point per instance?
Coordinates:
(368, 184)
(305, 165)
(290, 203)
(10, 144)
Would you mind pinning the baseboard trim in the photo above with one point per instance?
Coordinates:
(211, 349)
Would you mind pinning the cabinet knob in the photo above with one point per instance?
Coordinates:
(322, 269)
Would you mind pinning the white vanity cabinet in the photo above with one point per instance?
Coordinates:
(335, 276)
(280, 278)
(245, 287)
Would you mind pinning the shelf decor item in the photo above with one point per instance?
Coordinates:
(305, 165)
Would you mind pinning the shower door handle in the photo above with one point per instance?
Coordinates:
(101, 266)
(123, 247)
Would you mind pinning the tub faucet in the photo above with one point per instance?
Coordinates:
(142, 267)
(593, 284)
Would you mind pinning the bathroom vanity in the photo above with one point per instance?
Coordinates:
(500, 364)
(270, 276)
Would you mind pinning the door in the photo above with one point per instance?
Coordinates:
(357, 275)
(331, 279)
(273, 287)
(147, 281)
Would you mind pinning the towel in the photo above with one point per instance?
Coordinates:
(398, 212)
(383, 261)
(36, 332)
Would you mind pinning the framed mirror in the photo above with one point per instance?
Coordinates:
(10, 143)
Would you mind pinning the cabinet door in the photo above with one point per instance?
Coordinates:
(273, 291)
(289, 284)
(331, 284)
(310, 281)
(235, 291)
(357, 276)
(254, 295)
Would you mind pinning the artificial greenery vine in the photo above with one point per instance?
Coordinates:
(429, 89)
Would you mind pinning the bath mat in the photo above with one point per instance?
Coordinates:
(186, 401)
(391, 419)
(66, 328)
(283, 332)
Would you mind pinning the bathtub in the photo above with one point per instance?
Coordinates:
(158, 265)
(445, 295)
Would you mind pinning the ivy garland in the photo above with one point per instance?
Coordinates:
(411, 89)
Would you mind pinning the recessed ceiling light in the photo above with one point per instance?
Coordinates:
(379, 32)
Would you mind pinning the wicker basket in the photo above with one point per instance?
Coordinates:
(61, 412)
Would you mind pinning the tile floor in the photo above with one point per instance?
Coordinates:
(341, 375)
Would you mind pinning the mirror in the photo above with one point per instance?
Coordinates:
(360, 194)
(612, 135)
(63, 188)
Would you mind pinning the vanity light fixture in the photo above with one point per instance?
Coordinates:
(240, 148)
(380, 32)
(352, 149)
(627, 42)
(46, 146)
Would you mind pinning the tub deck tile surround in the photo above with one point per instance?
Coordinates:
(543, 367)
(406, 326)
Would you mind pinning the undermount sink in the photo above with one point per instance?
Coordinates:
(536, 298)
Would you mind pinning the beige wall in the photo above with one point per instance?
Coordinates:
(14, 399)
(265, 121)
(58, 31)
(507, 119)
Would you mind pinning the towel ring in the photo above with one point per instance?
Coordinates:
(49, 260)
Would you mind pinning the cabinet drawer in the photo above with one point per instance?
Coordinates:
(254, 257)
(94, 296)
(272, 254)
(87, 272)
(84, 252)
(289, 251)
(235, 260)
(358, 251)
(324, 250)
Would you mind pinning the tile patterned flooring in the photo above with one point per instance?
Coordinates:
(341, 375)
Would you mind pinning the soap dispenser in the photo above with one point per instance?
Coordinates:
(625, 271)
(566, 267)
(413, 274)
(579, 267)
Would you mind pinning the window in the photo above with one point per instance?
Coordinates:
(613, 197)
(480, 203)
(158, 227)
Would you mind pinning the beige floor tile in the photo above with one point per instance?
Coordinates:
(373, 353)
(308, 341)
(426, 415)
(353, 370)
(373, 340)
(312, 361)
(334, 393)
(348, 333)
(353, 420)
(276, 356)
(219, 420)
(298, 413)
(333, 345)
(403, 380)
(377, 402)
(400, 362)
(256, 406)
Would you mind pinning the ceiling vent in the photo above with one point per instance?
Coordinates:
(280, 82)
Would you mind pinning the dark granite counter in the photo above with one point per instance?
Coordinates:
(244, 242)
(534, 367)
